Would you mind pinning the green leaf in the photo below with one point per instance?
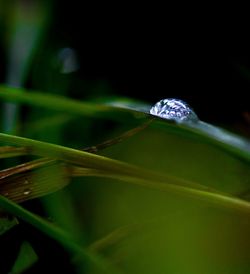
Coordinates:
(24, 30)
(16, 181)
(26, 258)
(89, 160)
(203, 132)
(200, 131)
(32, 180)
(215, 198)
(57, 234)
(116, 169)
(70, 106)
(8, 152)
(6, 222)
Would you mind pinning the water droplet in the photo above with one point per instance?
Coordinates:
(27, 191)
(174, 109)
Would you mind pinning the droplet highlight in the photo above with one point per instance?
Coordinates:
(174, 109)
(27, 191)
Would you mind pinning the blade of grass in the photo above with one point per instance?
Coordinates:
(26, 258)
(203, 132)
(135, 176)
(63, 104)
(113, 237)
(122, 232)
(219, 199)
(118, 139)
(112, 168)
(89, 160)
(6, 222)
(14, 187)
(9, 152)
(34, 183)
(43, 124)
(57, 234)
(26, 27)
(226, 141)
(24, 167)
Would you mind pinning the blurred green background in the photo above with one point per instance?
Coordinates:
(99, 52)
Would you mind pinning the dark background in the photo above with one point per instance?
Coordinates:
(149, 52)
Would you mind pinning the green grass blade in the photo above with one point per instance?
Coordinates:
(26, 27)
(26, 258)
(226, 141)
(57, 234)
(9, 152)
(70, 106)
(202, 132)
(89, 160)
(25, 182)
(6, 222)
(221, 200)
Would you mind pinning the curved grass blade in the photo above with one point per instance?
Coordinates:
(226, 141)
(26, 258)
(26, 29)
(203, 132)
(122, 232)
(9, 152)
(32, 184)
(6, 222)
(48, 122)
(93, 161)
(14, 187)
(57, 234)
(94, 165)
(216, 198)
(24, 167)
(113, 237)
(126, 103)
(118, 139)
(70, 106)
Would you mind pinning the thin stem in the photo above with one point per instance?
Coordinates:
(57, 234)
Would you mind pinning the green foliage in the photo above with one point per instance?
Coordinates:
(149, 193)
(26, 258)
(115, 189)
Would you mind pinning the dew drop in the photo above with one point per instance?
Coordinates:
(174, 109)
